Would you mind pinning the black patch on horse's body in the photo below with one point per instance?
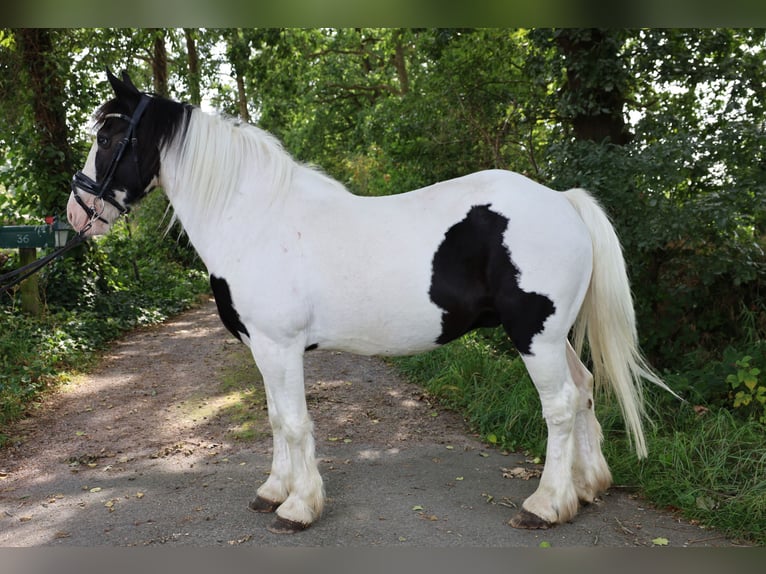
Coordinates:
(312, 347)
(229, 316)
(476, 283)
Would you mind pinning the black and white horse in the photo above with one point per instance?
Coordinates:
(298, 263)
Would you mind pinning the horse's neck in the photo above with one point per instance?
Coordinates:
(228, 186)
(217, 223)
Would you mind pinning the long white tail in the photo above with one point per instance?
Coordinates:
(609, 320)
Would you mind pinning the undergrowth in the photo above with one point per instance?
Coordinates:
(706, 458)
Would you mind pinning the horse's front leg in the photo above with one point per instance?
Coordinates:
(294, 487)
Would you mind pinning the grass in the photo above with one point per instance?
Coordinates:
(709, 463)
(712, 467)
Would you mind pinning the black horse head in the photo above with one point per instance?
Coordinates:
(124, 162)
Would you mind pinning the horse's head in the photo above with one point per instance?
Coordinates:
(123, 164)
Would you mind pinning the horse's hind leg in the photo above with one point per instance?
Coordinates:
(294, 487)
(590, 471)
(556, 499)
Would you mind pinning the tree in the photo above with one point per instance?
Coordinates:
(686, 190)
(593, 96)
(239, 55)
(39, 160)
(316, 88)
(387, 110)
(193, 66)
(159, 62)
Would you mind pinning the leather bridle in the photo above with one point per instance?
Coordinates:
(103, 190)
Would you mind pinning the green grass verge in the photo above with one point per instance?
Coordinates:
(710, 466)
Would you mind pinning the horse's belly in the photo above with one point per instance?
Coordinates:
(366, 328)
(379, 346)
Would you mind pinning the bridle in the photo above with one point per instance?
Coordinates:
(103, 191)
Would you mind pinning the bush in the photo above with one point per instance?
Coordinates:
(693, 252)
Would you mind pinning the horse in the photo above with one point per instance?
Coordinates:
(298, 263)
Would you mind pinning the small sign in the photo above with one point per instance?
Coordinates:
(19, 236)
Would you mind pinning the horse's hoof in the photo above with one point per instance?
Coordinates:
(528, 520)
(261, 504)
(284, 526)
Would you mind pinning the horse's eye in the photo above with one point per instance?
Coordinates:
(103, 141)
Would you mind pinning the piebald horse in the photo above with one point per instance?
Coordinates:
(298, 263)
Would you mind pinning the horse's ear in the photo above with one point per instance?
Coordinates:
(122, 88)
(112, 79)
(128, 82)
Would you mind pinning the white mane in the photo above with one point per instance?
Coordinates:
(216, 153)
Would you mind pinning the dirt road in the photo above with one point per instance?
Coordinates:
(167, 440)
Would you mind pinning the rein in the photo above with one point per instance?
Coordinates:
(102, 191)
(13, 278)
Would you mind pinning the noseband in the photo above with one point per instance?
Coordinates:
(103, 191)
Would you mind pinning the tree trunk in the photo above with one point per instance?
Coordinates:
(160, 63)
(46, 85)
(595, 84)
(238, 57)
(242, 98)
(400, 63)
(193, 63)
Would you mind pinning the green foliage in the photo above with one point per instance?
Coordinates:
(749, 391)
(489, 114)
(688, 192)
(695, 263)
(389, 110)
